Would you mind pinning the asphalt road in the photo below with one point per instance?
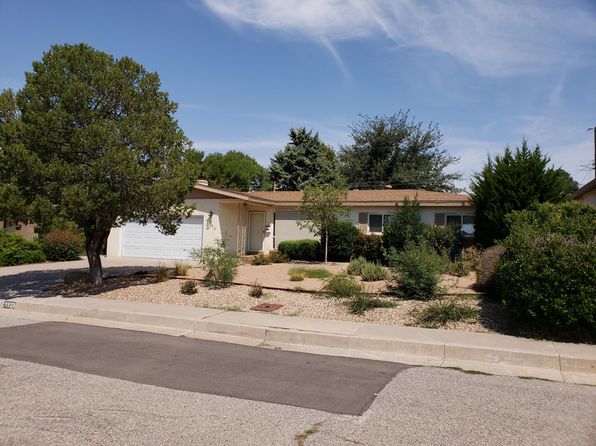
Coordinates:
(46, 405)
(333, 384)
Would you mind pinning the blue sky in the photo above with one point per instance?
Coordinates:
(244, 72)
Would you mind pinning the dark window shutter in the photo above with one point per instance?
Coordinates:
(439, 219)
(363, 221)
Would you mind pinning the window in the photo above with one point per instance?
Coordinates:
(464, 222)
(376, 222)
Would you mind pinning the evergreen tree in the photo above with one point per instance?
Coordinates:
(512, 182)
(305, 161)
(235, 170)
(397, 151)
(93, 139)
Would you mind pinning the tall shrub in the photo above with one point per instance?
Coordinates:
(417, 269)
(63, 244)
(547, 276)
(343, 236)
(15, 250)
(405, 227)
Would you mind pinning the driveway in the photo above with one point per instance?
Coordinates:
(30, 280)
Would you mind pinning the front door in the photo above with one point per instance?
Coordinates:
(256, 231)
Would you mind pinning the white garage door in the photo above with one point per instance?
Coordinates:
(147, 241)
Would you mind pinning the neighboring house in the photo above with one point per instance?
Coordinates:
(24, 229)
(259, 221)
(586, 193)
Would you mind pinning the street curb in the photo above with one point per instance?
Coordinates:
(482, 352)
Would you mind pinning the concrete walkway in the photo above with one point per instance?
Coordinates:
(488, 353)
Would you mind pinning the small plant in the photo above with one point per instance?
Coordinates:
(256, 290)
(163, 273)
(181, 268)
(221, 265)
(438, 314)
(418, 270)
(278, 257)
(261, 259)
(342, 286)
(362, 302)
(188, 287)
(371, 272)
(356, 265)
(296, 277)
(311, 273)
(234, 308)
(298, 289)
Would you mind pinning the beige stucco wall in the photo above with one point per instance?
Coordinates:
(27, 231)
(588, 198)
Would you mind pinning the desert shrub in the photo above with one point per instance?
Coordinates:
(467, 261)
(301, 249)
(443, 239)
(256, 290)
(221, 265)
(162, 273)
(15, 250)
(188, 287)
(547, 276)
(181, 268)
(485, 280)
(63, 244)
(278, 257)
(372, 272)
(362, 302)
(356, 265)
(342, 286)
(343, 236)
(438, 314)
(418, 270)
(311, 273)
(369, 246)
(261, 259)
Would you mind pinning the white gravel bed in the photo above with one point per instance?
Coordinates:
(236, 298)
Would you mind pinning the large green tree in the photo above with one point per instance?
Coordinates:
(305, 161)
(395, 150)
(512, 182)
(93, 139)
(235, 170)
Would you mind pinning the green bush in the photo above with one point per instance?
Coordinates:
(362, 302)
(188, 287)
(297, 277)
(467, 262)
(343, 237)
(372, 272)
(418, 270)
(311, 273)
(485, 280)
(438, 314)
(342, 286)
(356, 265)
(369, 246)
(301, 249)
(547, 276)
(63, 244)
(261, 259)
(221, 265)
(405, 227)
(15, 250)
(443, 239)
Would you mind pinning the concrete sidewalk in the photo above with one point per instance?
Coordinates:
(488, 353)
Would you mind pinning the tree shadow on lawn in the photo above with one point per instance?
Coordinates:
(42, 284)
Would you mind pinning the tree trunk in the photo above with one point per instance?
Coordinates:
(326, 244)
(95, 241)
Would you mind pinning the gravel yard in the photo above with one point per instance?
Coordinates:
(236, 298)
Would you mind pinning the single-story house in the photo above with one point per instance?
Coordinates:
(586, 193)
(24, 229)
(258, 221)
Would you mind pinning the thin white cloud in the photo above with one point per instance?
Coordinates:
(495, 37)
